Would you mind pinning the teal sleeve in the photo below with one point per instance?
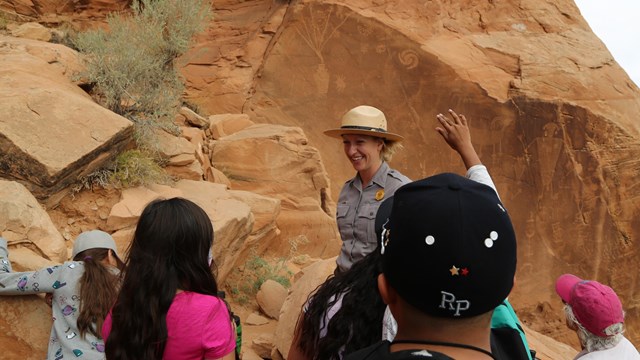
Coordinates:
(28, 282)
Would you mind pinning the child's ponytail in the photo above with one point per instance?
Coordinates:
(98, 289)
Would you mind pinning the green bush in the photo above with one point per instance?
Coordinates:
(135, 168)
(130, 168)
(132, 64)
(131, 68)
(254, 273)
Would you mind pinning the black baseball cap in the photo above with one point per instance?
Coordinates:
(450, 248)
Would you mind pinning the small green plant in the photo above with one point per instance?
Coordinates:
(240, 297)
(264, 270)
(254, 273)
(130, 168)
(135, 168)
(256, 270)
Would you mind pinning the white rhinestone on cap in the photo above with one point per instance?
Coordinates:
(430, 240)
(493, 236)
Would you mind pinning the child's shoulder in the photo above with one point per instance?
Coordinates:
(198, 298)
(206, 306)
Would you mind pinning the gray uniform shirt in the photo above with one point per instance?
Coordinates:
(356, 213)
(63, 281)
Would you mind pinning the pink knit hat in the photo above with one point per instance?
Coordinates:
(594, 305)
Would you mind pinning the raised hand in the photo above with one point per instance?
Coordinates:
(455, 132)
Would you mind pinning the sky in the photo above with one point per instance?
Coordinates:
(617, 24)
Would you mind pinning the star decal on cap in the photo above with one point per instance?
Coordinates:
(454, 271)
(465, 271)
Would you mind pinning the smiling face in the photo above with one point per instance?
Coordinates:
(364, 152)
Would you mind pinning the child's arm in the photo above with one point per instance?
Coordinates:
(25, 283)
(455, 132)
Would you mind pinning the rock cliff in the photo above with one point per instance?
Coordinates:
(552, 114)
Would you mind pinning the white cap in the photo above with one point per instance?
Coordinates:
(91, 240)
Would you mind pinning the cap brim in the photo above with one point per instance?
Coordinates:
(337, 133)
(565, 284)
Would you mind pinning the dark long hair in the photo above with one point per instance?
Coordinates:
(357, 324)
(98, 290)
(169, 252)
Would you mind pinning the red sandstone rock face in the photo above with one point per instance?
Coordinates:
(553, 116)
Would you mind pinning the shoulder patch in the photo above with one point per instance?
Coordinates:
(396, 175)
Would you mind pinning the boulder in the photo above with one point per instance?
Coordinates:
(191, 171)
(25, 325)
(33, 31)
(24, 259)
(232, 219)
(270, 298)
(249, 354)
(23, 221)
(194, 135)
(228, 124)
(52, 133)
(256, 320)
(276, 161)
(216, 176)
(308, 280)
(265, 230)
(262, 345)
(192, 118)
(60, 59)
(123, 238)
(182, 160)
(132, 201)
(171, 146)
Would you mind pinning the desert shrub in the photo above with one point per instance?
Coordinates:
(255, 272)
(131, 69)
(249, 277)
(65, 34)
(132, 63)
(135, 168)
(130, 168)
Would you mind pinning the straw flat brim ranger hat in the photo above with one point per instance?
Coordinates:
(364, 120)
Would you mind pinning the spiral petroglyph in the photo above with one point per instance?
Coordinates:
(409, 59)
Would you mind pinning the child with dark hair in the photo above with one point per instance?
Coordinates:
(168, 306)
(345, 313)
(82, 291)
